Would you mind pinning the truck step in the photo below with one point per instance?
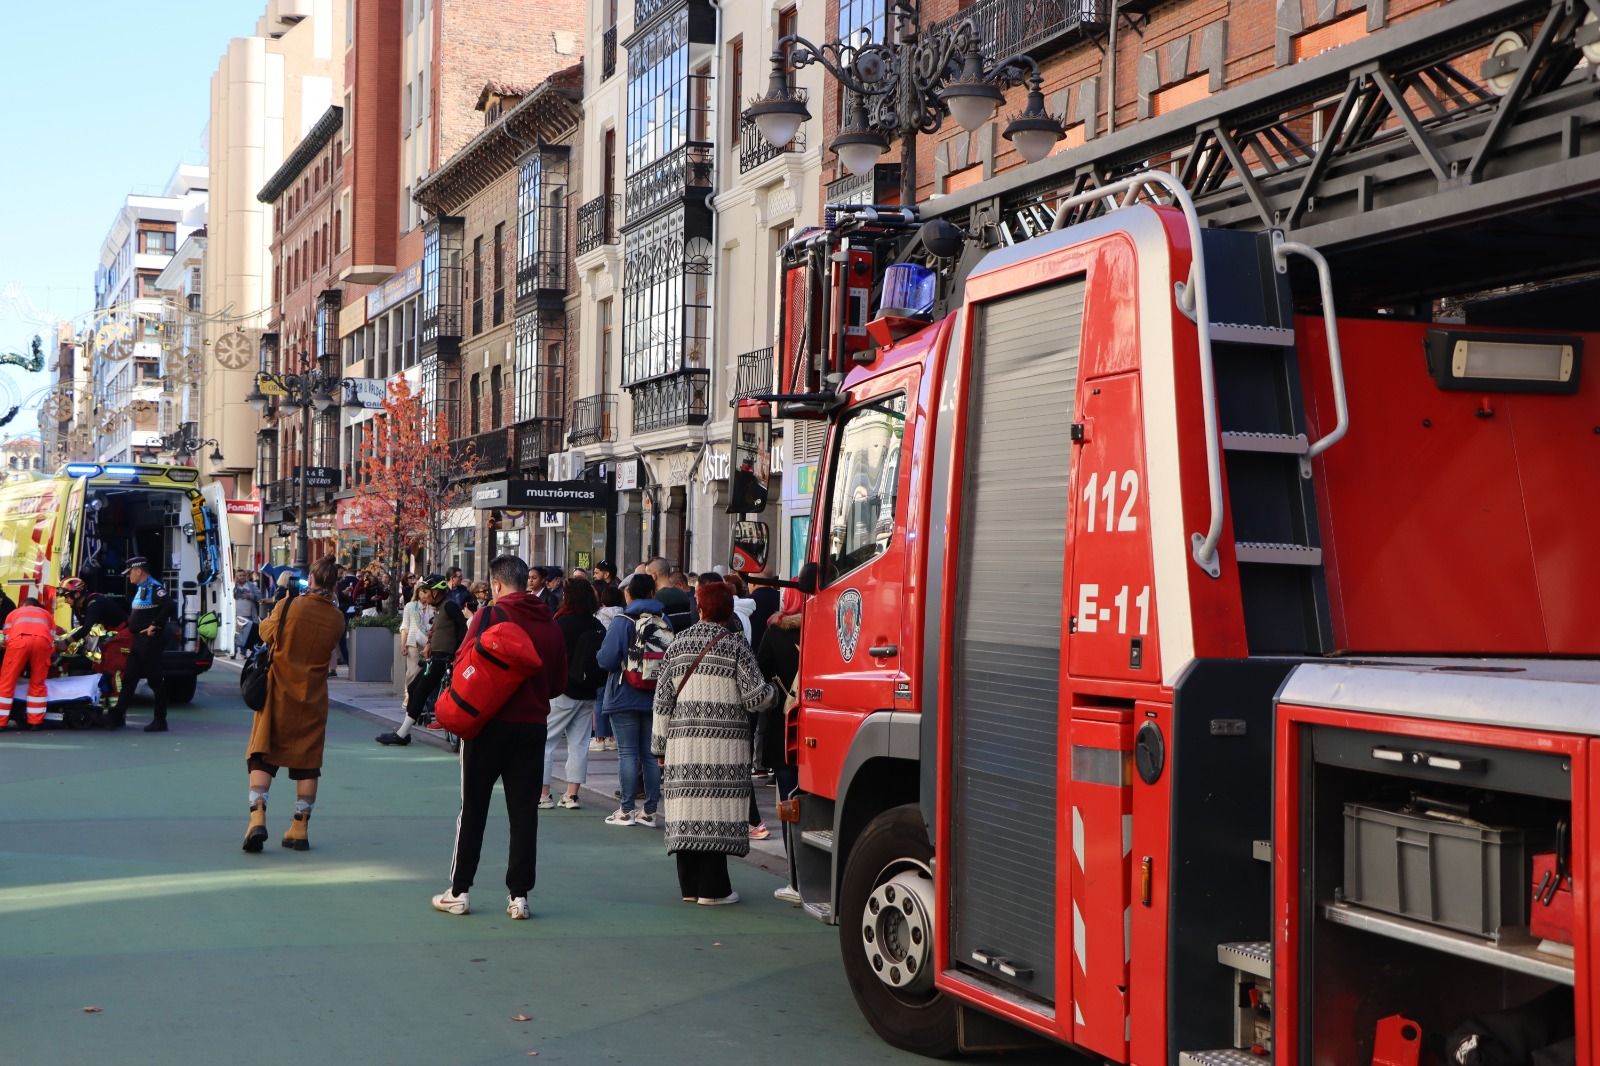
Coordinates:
(1251, 956)
(822, 912)
(1254, 551)
(1225, 1057)
(822, 839)
(1275, 443)
(1269, 336)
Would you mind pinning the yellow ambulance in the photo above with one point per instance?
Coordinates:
(90, 518)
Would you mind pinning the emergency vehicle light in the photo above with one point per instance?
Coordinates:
(1501, 362)
(122, 471)
(183, 474)
(908, 291)
(82, 469)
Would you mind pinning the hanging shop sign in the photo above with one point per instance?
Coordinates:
(321, 477)
(368, 393)
(552, 520)
(543, 496)
(244, 506)
(627, 475)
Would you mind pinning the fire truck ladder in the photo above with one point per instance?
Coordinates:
(1237, 295)
(1419, 167)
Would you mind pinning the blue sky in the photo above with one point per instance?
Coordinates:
(100, 98)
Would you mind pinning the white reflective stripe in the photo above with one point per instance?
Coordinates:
(1127, 835)
(1077, 837)
(1079, 934)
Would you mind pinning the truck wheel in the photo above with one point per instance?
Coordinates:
(181, 689)
(886, 925)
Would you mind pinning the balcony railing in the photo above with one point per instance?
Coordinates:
(608, 53)
(594, 420)
(537, 438)
(754, 149)
(645, 10)
(755, 376)
(680, 399)
(870, 188)
(670, 179)
(597, 223)
(1038, 27)
(491, 450)
(542, 272)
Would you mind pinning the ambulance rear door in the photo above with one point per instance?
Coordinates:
(220, 589)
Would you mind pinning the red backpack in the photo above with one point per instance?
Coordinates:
(486, 672)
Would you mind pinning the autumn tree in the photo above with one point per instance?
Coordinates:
(413, 475)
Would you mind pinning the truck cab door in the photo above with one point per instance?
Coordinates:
(220, 590)
(853, 624)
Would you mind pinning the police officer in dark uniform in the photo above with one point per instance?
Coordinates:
(152, 609)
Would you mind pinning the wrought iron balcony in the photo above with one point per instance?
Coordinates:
(537, 438)
(754, 148)
(597, 222)
(1037, 27)
(680, 399)
(755, 376)
(876, 186)
(608, 53)
(645, 10)
(594, 420)
(670, 179)
(542, 276)
(491, 450)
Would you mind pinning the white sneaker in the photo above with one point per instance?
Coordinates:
(569, 803)
(597, 744)
(611, 743)
(451, 903)
(641, 817)
(517, 907)
(707, 901)
(620, 817)
(547, 803)
(785, 894)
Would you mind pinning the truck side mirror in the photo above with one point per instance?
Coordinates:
(750, 543)
(806, 579)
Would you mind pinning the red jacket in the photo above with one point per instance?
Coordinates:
(531, 702)
(37, 622)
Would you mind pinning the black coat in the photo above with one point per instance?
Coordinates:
(584, 634)
(779, 659)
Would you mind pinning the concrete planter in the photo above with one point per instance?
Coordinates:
(371, 654)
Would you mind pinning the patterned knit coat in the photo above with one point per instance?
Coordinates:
(702, 725)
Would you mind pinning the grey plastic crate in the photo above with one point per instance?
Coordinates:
(1434, 870)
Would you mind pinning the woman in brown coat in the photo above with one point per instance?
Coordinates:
(303, 630)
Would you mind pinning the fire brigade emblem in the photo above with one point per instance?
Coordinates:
(847, 623)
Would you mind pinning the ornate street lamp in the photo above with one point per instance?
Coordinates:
(901, 90)
(310, 387)
(184, 444)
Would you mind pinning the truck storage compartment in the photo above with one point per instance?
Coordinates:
(1435, 866)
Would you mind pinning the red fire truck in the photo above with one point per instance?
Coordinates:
(1193, 673)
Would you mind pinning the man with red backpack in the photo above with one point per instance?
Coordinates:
(635, 644)
(510, 746)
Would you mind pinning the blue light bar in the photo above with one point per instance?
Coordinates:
(122, 471)
(82, 469)
(908, 291)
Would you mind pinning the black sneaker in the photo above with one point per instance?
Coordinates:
(394, 738)
(157, 726)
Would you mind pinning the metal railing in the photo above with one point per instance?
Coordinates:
(608, 53)
(754, 149)
(597, 222)
(680, 399)
(542, 271)
(537, 438)
(670, 178)
(491, 450)
(1007, 27)
(755, 376)
(594, 419)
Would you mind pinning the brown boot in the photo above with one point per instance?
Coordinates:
(296, 836)
(256, 835)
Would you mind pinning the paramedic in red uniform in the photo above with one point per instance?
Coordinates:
(90, 609)
(30, 642)
(510, 748)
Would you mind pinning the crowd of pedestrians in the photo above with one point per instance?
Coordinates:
(685, 676)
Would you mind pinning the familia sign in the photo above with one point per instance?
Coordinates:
(543, 496)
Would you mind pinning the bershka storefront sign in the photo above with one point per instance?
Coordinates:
(543, 496)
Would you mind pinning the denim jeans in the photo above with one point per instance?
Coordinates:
(569, 718)
(632, 729)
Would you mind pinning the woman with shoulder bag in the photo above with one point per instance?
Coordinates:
(572, 712)
(291, 728)
(415, 622)
(707, 692)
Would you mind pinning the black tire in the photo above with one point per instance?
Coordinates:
(924, 1024)
(181, 689)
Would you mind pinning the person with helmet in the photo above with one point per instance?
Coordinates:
(90, 609)
(448, 630)
(30, 637)
(152, 609)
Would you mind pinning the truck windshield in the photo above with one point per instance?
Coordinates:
(864, 488)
